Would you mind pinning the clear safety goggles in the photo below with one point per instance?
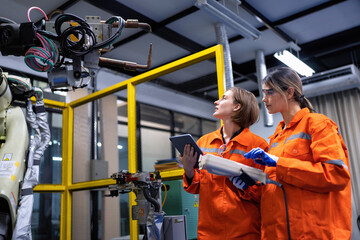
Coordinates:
(221, 150)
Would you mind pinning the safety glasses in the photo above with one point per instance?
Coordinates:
(221, 150)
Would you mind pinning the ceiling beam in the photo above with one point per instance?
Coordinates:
(342, 43)
(158, 29)
(307, 12)
(274, 26)
(337, 42)
(250, 9)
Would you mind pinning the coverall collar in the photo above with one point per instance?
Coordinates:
(298, 116)
(242, 140)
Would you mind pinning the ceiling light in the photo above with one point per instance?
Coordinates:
(293, 62)
(229, 18)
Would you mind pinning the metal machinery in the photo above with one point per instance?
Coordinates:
(147, 187)
(19, 160)
(69, 50)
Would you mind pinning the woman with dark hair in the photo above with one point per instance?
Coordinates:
(309, 159)
(223, 213)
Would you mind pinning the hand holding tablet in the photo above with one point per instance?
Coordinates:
(180, 141)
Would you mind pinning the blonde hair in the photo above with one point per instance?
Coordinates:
(281, 79)
(249, 111)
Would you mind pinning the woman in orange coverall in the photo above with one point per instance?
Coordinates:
(222, 213)
(308, 157)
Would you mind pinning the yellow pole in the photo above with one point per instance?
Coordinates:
(67, 151)
(134, 229)
(220, 70)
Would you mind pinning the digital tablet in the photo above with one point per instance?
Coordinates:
(180, 141)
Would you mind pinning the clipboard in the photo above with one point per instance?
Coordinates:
(180, 141)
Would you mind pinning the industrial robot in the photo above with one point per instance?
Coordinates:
(148, 211)
(69, 50)
(19, 158)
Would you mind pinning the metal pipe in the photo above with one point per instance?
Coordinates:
(228, 17)
(222, 39)
(108, 62)
(261, 73)
(95, 123)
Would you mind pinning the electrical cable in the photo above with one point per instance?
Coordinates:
(86, 37)
(286, 207)
(84, 74)
(37, 8)
(6, 20)
(121, 26)
(52, 13)
(16, 82)
(287, 213)
(148, 197)
(162, 205)
(41, 59)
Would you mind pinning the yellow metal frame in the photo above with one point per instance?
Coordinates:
(67, 186)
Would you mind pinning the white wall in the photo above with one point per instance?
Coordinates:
(157, 95)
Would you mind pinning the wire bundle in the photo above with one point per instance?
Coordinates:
(86, 37)
(41, 59)
(121, 26)
(17, 83)
(86, 41)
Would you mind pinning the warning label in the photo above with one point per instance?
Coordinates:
(7, 169)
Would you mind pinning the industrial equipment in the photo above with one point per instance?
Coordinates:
(147, 187)
(69, 48)
(17, 157)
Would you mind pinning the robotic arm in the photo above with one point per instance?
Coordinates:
(14, 144)
(69, 48)
(17, 157)
(147, 187)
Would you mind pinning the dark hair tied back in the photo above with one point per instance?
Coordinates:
(300, 98)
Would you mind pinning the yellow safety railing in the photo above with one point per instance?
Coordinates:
(67, 186)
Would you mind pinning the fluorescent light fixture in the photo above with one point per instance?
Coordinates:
(293, 62)
(57, 158)
(229, 18)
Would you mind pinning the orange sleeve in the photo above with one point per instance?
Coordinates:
(326, 168)
(194, 186)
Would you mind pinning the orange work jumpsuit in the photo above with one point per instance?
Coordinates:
(313, 168)
(222, 213)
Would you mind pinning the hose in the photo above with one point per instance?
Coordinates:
(148, 197)
(286, 207)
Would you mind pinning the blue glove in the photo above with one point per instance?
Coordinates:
(261, 157)
(240, 184)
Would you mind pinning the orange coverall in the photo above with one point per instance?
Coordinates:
(313, 167)
(222, 213)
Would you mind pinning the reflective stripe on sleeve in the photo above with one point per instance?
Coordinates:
(338, 163)
(301, 135)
